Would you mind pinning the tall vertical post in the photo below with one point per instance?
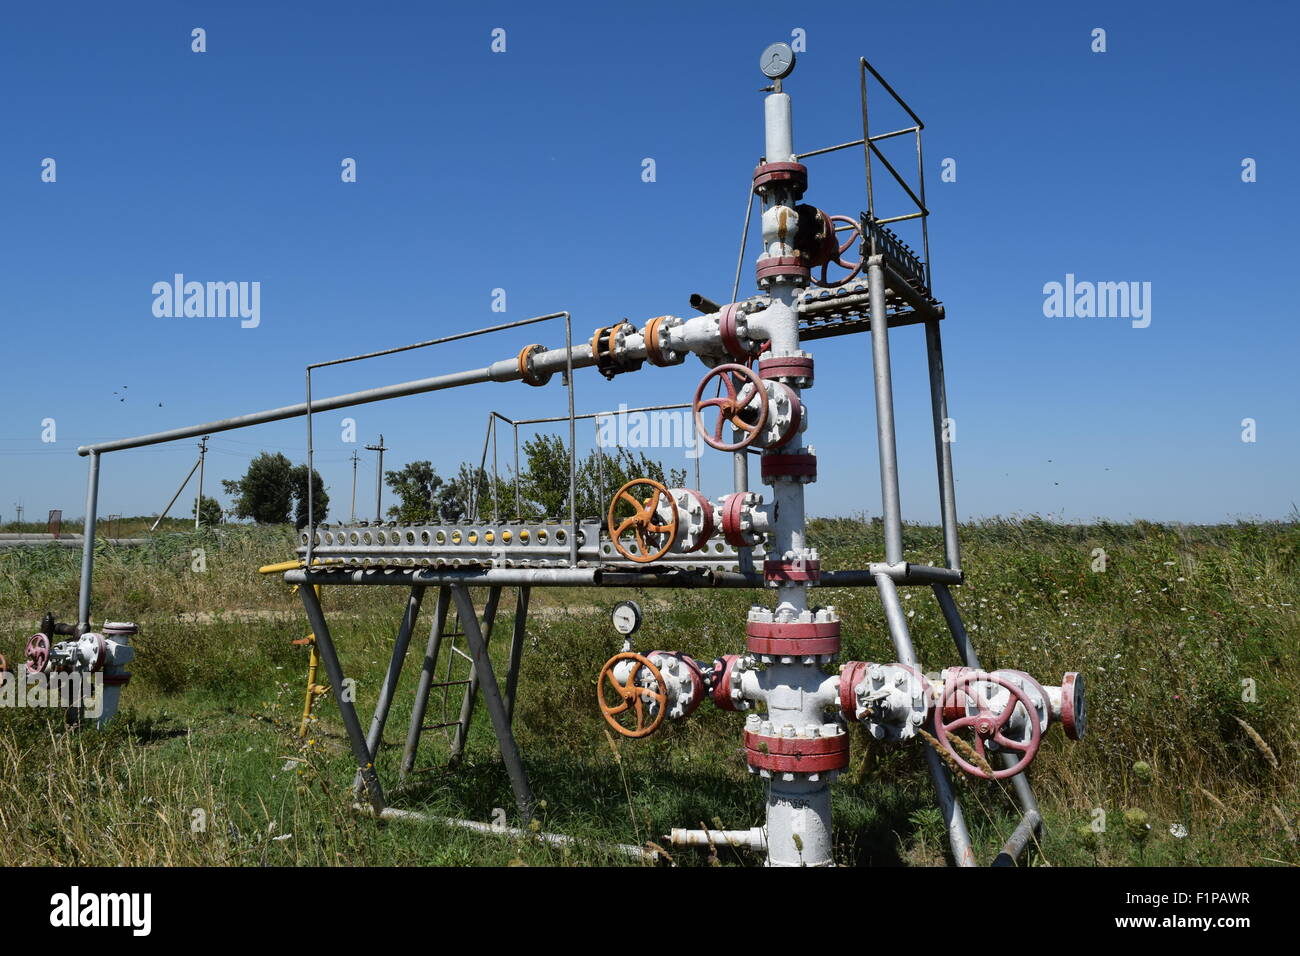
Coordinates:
(198, 499)
(379, 479)
(354, 485)
(891, 506)
(88, 544)
(942, 445)
(518, 504)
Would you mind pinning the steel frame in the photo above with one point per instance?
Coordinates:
(887, 300)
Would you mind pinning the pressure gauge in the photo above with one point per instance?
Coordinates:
(777, 61)
(627, 617)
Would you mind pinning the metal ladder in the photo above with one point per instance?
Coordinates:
(430, 680)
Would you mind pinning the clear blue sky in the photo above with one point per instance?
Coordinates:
(522, 171)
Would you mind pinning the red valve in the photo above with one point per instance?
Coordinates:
(642, 521)
(741, 385)
(631, 696)
(38, 653)
(950, 716)
(855, 235)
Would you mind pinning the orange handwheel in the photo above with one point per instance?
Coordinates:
(632, 697)
(642, 521)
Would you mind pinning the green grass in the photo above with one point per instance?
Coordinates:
(1165, 636)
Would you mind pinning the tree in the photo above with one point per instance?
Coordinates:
(320, 499)
(272, 487)
(209, 512)
(265, 493)
(544, 484)
(420, 490)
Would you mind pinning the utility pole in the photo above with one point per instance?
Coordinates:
(354, 485)
(198, 502)
(379, 477)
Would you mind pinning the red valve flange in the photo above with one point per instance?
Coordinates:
(741, 386)
(1073, 715)
(986, 725)
(38, 653)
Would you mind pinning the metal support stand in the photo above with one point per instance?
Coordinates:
(385, 702)
(472, 688)
(347, 711)
(427, 673)
(495, 706)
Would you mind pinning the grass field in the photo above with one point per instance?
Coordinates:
(1188, 641)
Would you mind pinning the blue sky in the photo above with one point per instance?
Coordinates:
(522, 170)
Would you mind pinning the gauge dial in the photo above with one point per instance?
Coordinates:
(627, 617)
(777, 61)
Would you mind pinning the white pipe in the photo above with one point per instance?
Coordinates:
(555, 839)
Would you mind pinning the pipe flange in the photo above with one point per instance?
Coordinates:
(796, 367)
(770, 752)
(795, 466)
(724, 689)
(734, 337)
(526, 373)
(777, 268)
(770, 176)
(1074, 716)
(793, 570)
(657, 350)
(609, 352)
(737, 531)
(793, 638)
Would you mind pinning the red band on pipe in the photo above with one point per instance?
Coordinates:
(792, 570)
(795, 465)
(789, 366)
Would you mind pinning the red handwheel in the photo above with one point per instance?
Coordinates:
(855, 235)
(740, 386)
(38, 653)
(984, 723)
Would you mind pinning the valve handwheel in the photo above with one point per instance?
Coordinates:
(986, 724)
(38, 653)
(642, 521)
(855, 235)
(741, 385)
(631, 696)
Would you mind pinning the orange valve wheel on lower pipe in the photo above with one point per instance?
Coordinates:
(633, 699)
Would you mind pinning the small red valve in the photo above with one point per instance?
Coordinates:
(969, 687)
(38, 653)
